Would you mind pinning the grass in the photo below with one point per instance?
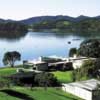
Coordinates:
(4, 72)
(21, 93)
(7, 71)
(4, 96)
(37, 94)
(64, 77)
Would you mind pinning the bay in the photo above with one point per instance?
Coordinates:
(35, 44)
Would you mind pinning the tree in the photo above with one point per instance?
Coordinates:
(72, 52)
(11, 57)
(12, 27)
(23, 79)
(90, 48)
(46, 79)
(89, 69)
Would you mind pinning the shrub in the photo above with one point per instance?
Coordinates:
(46, 79)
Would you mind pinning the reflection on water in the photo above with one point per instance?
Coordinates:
(12, 36)
(33, 44)
(85, 35)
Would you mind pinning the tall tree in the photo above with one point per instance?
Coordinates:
(11, 57)
(90, 48)
(72, 52)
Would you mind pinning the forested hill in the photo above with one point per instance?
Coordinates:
(34, 20)
(12, 27)
(85, 25)
(38, 19)
(53, 23)
(67, 23)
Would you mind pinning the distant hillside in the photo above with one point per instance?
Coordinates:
(6, 21)
(35, 20)
(82, 24)
(38, 19)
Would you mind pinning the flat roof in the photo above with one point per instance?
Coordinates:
(60, 62)
(36, 62)
(89, 84)
(81, 58)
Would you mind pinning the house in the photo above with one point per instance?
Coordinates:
(88, 90)
(55, 63)
(51, 59)
(78, 61)
(48, 63)
(40, 66)
(61, 66)
(37, 65)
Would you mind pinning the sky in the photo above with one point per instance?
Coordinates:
(22, 9)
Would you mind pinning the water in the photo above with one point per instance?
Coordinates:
(33, 44)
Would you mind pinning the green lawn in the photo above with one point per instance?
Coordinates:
(4, 72)
(4, 96)
(7, 71)
(37, 94)
(64, 77)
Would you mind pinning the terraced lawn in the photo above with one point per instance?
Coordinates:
(64, 77)
(19, 93)
(7, 71)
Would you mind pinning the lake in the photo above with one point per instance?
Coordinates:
(35, 44)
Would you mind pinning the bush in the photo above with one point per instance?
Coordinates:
(41, 79)
(46, 79)
(22, 78)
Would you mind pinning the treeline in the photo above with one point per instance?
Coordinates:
(52, 25)
(12, 27)
(90, 68)
(86, 25)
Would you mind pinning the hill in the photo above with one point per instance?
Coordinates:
(34, 20)
(60, 23)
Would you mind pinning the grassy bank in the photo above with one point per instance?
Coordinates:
(19, 93)
(7, 71)
(64, 77)
(22, 93)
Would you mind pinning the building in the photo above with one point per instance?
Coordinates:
(78, 61)
(61, 66)
(40, 66)
(37, 65)
(88, 90)
(55, 63)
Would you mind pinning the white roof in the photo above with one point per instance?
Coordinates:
(82, 58)
(36, 62)
(89, 84)
(57, 57)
